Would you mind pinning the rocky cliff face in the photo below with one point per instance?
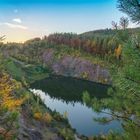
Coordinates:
(76, 67)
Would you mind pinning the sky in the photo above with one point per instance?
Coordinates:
(21, 20)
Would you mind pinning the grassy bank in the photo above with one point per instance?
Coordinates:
(32, 117)
(26, 73)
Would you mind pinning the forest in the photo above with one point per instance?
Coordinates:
(108, 57)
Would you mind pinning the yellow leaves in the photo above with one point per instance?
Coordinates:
(47, 118)
(40, 117)
(12, 104)
(118, 51)
(7, 92)
(9, 102)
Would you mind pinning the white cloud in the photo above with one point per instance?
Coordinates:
(17, 20)
(133, 25)
(10, 25)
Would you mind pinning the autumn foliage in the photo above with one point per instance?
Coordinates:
(7, 97)
(9, 105)
(38, 116)
(101, 46)
(118, 51)
(45, 117)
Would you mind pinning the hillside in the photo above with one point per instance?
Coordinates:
(104, 56)
(107, 32)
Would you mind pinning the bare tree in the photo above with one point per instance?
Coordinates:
(114, 25)
(124, 22)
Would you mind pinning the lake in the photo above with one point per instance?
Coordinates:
(64, 94)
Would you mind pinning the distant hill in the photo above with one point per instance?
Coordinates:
(106, 32)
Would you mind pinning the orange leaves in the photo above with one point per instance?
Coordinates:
(38, 116)
(43, 117)
(6, 135)
(118, 51)
(7, 89)
(9, 103)
(12, 103)
(47, 118)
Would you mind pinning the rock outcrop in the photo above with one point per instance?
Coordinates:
(76, 67)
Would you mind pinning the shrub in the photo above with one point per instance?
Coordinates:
(47, 118)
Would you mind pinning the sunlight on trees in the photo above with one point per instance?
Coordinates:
(118, 52)
(7, 86)
(9, 106)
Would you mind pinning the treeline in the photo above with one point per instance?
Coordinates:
(102, 43)
(101, 46)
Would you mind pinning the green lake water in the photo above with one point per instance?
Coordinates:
(64, 94)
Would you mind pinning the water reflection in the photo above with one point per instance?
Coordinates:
(65, 95)
(70, 89)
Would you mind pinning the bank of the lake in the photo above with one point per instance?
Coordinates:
(65, 95)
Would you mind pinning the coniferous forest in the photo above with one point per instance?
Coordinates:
(73, 86)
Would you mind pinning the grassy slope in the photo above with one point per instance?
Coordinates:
(59, 125)
(33, 72)
(21, 71)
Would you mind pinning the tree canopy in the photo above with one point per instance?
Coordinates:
(131, 8)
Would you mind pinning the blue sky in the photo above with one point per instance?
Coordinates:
(52, 1)
(24, 19)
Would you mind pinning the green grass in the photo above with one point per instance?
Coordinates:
(14, 69)
(21, 71)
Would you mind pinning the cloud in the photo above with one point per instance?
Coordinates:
(11, 25)
(133, 25)
(17, 20)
